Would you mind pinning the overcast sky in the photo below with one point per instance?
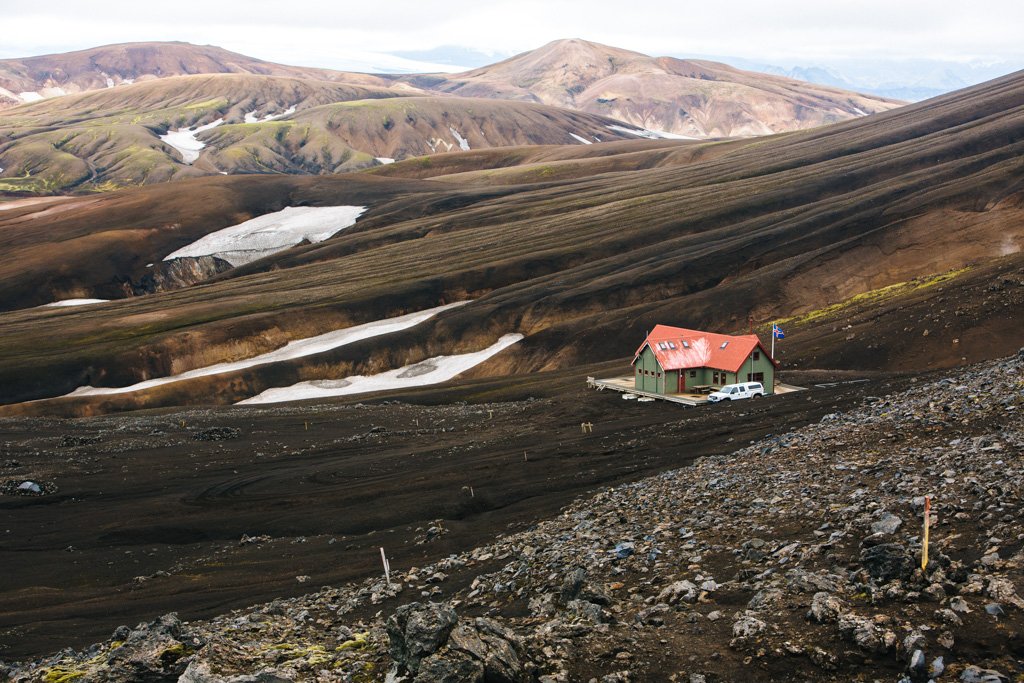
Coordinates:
(332, 33)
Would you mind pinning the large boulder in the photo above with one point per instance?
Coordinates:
(430, 643)
(888, 561)
(417, 631)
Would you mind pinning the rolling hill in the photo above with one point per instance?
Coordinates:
(692, 98)
(112, 138)
(34, 78)
(579, 261)
(93, 120)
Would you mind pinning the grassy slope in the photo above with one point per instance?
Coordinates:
(110, 138)
(107, 139)
(775, 227)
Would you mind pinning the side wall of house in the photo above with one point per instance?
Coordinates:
(751, 368)
(647, 373)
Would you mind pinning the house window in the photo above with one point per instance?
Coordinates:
(724, 344)
(686, 344)
(757, 355)
(714, 378)
(693, 373)
(671, 345)
(755, 377)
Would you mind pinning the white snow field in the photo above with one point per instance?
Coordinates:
(293, 349)
(30, 96)
(251, 117)
(74, 302)
(272, 232)
(651, 134)
(581, 139)
(385, 160)
(431, 371)
(463, 142)
(184, 140)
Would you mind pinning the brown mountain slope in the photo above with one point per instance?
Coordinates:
(31, 78)
(778, 227)
(692, 98)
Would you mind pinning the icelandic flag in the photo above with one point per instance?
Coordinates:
(777, 332)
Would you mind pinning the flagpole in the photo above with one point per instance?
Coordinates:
(773, 341)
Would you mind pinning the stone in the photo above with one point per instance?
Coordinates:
(679, 591)
(417, 631)
(888, 561)
(917, 661)
(1002, 590)
(865, 634)
(766, 598)
(747, 627)
(585, 611)
(624, 550)
(886, 524)
(825, 608)
(958, 604)
(496, 647)
(452, 667)
(975, 674)
(572, 585)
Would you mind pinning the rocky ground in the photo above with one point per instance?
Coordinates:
(796, 557)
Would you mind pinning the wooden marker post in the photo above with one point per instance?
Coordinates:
(924, 544)
(387, 566)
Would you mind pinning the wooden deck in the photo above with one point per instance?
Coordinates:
(625, 386)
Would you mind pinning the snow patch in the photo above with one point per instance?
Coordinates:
(581, 139)
(272, 232)
(463, 142)
(184, 140)
(110, 82)
(287, 112)
(251, 117)
(30, 96)
(385, 160)
(434, 143)
(431, 371)
(74, 302)
(293, 349)
(652, 134)
(859, 112)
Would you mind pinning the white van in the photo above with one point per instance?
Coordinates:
(734, 392)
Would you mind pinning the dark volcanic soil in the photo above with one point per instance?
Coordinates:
(149, 509)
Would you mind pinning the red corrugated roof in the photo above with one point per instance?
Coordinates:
(696, 349)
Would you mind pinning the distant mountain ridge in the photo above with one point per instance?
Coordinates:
(694, 98)
(33, 78)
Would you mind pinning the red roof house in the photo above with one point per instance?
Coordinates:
(675, 360)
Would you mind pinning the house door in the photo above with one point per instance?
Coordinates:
(682, 381)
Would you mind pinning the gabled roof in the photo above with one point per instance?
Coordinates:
(677, 348)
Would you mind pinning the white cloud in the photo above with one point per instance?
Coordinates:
(326, 33)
